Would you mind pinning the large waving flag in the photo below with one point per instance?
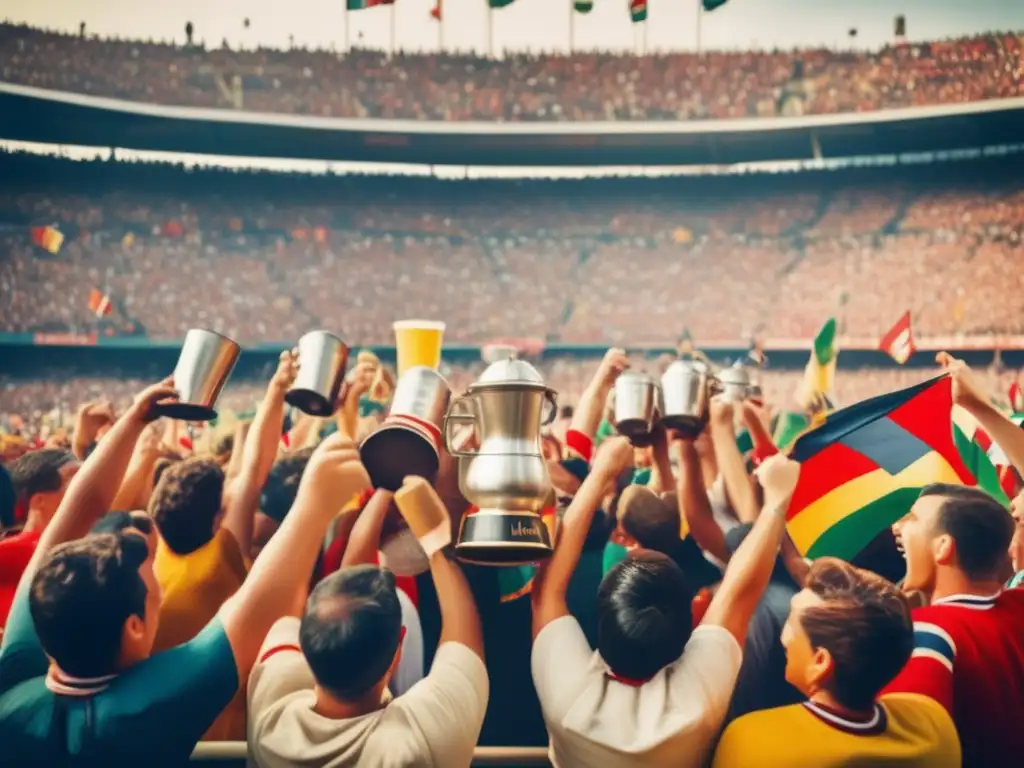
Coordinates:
(864, 466)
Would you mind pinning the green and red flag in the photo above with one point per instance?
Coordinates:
(638, 10)
(898, 341)
(863, 467)
(362, 5)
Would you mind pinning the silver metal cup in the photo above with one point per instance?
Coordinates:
(322, 360)
(687, 386)
(204, 365)
(409, 440)
(636, 406)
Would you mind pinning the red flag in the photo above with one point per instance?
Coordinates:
(99, 303)
(437, 11)
(48, 238)
(1016, 397)
(898, 341)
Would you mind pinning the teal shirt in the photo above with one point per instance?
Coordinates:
(1016, 581)
(152, 715)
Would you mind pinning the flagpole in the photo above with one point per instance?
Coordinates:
(440, 27)
(700, 18)
(392, 30)
(348, 45)
(572, 26)
(490, 31)
(645, 34)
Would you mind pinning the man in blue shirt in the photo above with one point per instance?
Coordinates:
(77, 683)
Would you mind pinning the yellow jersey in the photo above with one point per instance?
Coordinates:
(905, 730)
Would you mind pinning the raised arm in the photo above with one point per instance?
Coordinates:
(751, 566)
(427, 517)
(334, 475)
(694, 505)
(730, 460)
(364, 540)
(258, 454)
(662, 478)
(95, 487)
(552, 582)
(587, 416)
(969, 394)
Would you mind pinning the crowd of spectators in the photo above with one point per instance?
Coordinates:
(623, 262)
(583, 86)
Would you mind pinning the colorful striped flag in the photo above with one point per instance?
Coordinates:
(864, 466)
(48, 238)
(820, 371)
(99, 303)
(638, 10)
(362, 5)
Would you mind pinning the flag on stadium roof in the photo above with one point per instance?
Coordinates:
(362, 5)
(863, 467)
(638, 10)
(898, 341)
(583, 6)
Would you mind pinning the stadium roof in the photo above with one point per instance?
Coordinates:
(36, 115)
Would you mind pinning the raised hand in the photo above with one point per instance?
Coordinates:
(778, 476)
(335, 473)
(287, 370)
(967, 390)
(144, 409)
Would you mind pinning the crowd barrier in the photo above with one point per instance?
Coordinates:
(221, 754)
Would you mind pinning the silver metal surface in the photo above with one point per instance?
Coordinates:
(322, 360)
(735, 382)
(422, 393)
(636, 404)
(687, 389)
(204, 365)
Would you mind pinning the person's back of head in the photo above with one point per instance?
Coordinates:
(91, 606)
(644, 615)
(647, 520)
(849, 633)
(282, 484)
(351, 632)
(40, 479)
(186, 504)
(955, 529)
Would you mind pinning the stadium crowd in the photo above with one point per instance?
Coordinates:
(610, 262)
(583, 86)
(157, 591)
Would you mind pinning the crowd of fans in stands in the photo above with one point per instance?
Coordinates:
(583, 86)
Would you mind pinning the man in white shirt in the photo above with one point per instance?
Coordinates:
(319, 692)
(654, 693)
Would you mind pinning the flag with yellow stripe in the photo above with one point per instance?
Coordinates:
(863, 467)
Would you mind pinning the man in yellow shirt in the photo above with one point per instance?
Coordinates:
(849, 633)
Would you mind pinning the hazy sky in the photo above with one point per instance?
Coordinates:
(540, 25)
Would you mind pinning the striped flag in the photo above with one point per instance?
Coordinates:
(50, 239)
(638, 10)
(362, 5)
(898, 341)
(99, 303)
(863, 467)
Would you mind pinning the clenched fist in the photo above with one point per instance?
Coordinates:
(334, 475)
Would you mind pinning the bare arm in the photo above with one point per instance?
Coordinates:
(552, 583)
(694, 505)
(364, 541)
(730, 461)
(235, 462)
(258, 454)
(94, 488)
(277, 577)
(133, 493)
(662, 478)
(751, 566)
(587, 416)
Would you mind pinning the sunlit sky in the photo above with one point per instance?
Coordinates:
(537, 25)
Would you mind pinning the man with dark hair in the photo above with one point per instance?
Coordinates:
(656, 692)
(319, 692)
(77, 682)
(40, 479)
(969, 641)
(277, 496)
(848, 633)
(652, 522)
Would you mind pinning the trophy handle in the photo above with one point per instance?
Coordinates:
(553, 413)
(450, 419)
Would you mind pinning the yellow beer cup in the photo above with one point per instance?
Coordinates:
(418, 342)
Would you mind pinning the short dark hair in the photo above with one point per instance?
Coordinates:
(39, 471)
(351, 630)
(162, 465)
(650, 519)
(864, 623)
(643, 615)
(981, 527)
(116, 522)
(282, 484)
(81, 596)
(566, 412)
(186, 503)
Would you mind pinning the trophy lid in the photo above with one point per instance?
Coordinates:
(735, 374)
(511, 370)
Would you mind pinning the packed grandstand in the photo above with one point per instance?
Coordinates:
(106, 264)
